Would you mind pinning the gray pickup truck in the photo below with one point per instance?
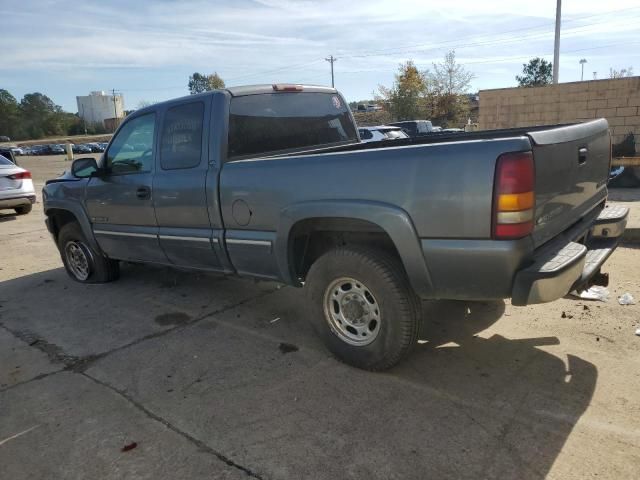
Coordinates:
(273, 182)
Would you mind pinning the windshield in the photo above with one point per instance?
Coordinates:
(269, 123)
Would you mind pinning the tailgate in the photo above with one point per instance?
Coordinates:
(572, 168)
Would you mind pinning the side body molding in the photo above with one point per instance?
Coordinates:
(393, 220)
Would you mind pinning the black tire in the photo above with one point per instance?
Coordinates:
(384, 278)
(23, 209)
(74, 249)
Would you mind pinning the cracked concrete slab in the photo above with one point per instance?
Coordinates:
(492, 391)
(449, 412)
(20, 363)
(84, 320)
(67, 426)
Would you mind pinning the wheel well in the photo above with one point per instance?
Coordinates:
(59, 218)
(309, 239)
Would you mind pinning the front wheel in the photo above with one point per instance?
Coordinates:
(363, 307)
(82, 262)
(23, 209)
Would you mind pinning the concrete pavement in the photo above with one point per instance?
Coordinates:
(216, 377)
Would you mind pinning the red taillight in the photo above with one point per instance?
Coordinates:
(20, 175)
(279, 87)
(514, 197)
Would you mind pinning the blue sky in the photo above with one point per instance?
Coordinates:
(146, 49)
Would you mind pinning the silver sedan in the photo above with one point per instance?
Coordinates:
(16, 187)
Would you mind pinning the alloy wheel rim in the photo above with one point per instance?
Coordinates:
(78, 259)
(352, 311)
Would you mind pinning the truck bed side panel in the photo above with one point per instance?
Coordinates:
(445, 188)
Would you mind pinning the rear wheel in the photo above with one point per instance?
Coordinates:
(23, 209)
(363, 307)
(81, 261)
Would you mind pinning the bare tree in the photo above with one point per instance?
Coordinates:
(622, 73)
(447, 85)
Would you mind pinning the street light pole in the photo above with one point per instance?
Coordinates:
(556, 47)
(582, 62)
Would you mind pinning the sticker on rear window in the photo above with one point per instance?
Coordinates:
(336, 101)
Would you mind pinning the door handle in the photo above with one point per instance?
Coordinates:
(582, 155)
(143, 192)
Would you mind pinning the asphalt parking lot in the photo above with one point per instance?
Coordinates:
(167, 374)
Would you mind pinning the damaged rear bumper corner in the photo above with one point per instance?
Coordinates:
(563, 266)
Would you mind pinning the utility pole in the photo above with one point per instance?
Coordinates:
(556, 47)
(331, 60)
(115, 111)
(582, 62)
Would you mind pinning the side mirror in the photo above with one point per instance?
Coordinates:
(84, 167)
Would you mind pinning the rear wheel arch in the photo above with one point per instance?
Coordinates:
(385, 227)
(310, 238)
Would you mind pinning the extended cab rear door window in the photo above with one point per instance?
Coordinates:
(278, 122)
(181, 140)
(131, 151)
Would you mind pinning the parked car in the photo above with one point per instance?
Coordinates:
(56, 149)
(16, 187)
(368, 108)
(415, 128)
(4, 138)
(37, 150)
(7, 153)
(453, 130)
(239, 181)
(382, 132)
(17, 151)
(95, 147)
(80, 148)
(436, 129)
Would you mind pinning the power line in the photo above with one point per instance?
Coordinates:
(401, 49)
(433, 47)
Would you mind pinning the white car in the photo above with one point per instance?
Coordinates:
(16, 187)
(381, 132)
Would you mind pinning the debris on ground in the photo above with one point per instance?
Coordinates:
(595, 292)
(288, 348)
(638, 331)
(626, 299)
(565, 315)
(129, 446)
(275, 320)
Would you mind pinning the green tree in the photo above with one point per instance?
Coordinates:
(41, 117)
(536, 73)
(199, 83)
(406, 97)
(9, 115)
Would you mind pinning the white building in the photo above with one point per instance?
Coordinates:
(97, 107)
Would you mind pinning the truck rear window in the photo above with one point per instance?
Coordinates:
(269, 123)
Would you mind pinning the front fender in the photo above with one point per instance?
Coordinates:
(58, 196)
(393, 220)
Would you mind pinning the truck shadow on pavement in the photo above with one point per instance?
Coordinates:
(7, 217)
(467, 404)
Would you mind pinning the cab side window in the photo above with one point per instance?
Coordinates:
(181, 139)
(131, 151)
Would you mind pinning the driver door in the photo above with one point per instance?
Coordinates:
(120, 203)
